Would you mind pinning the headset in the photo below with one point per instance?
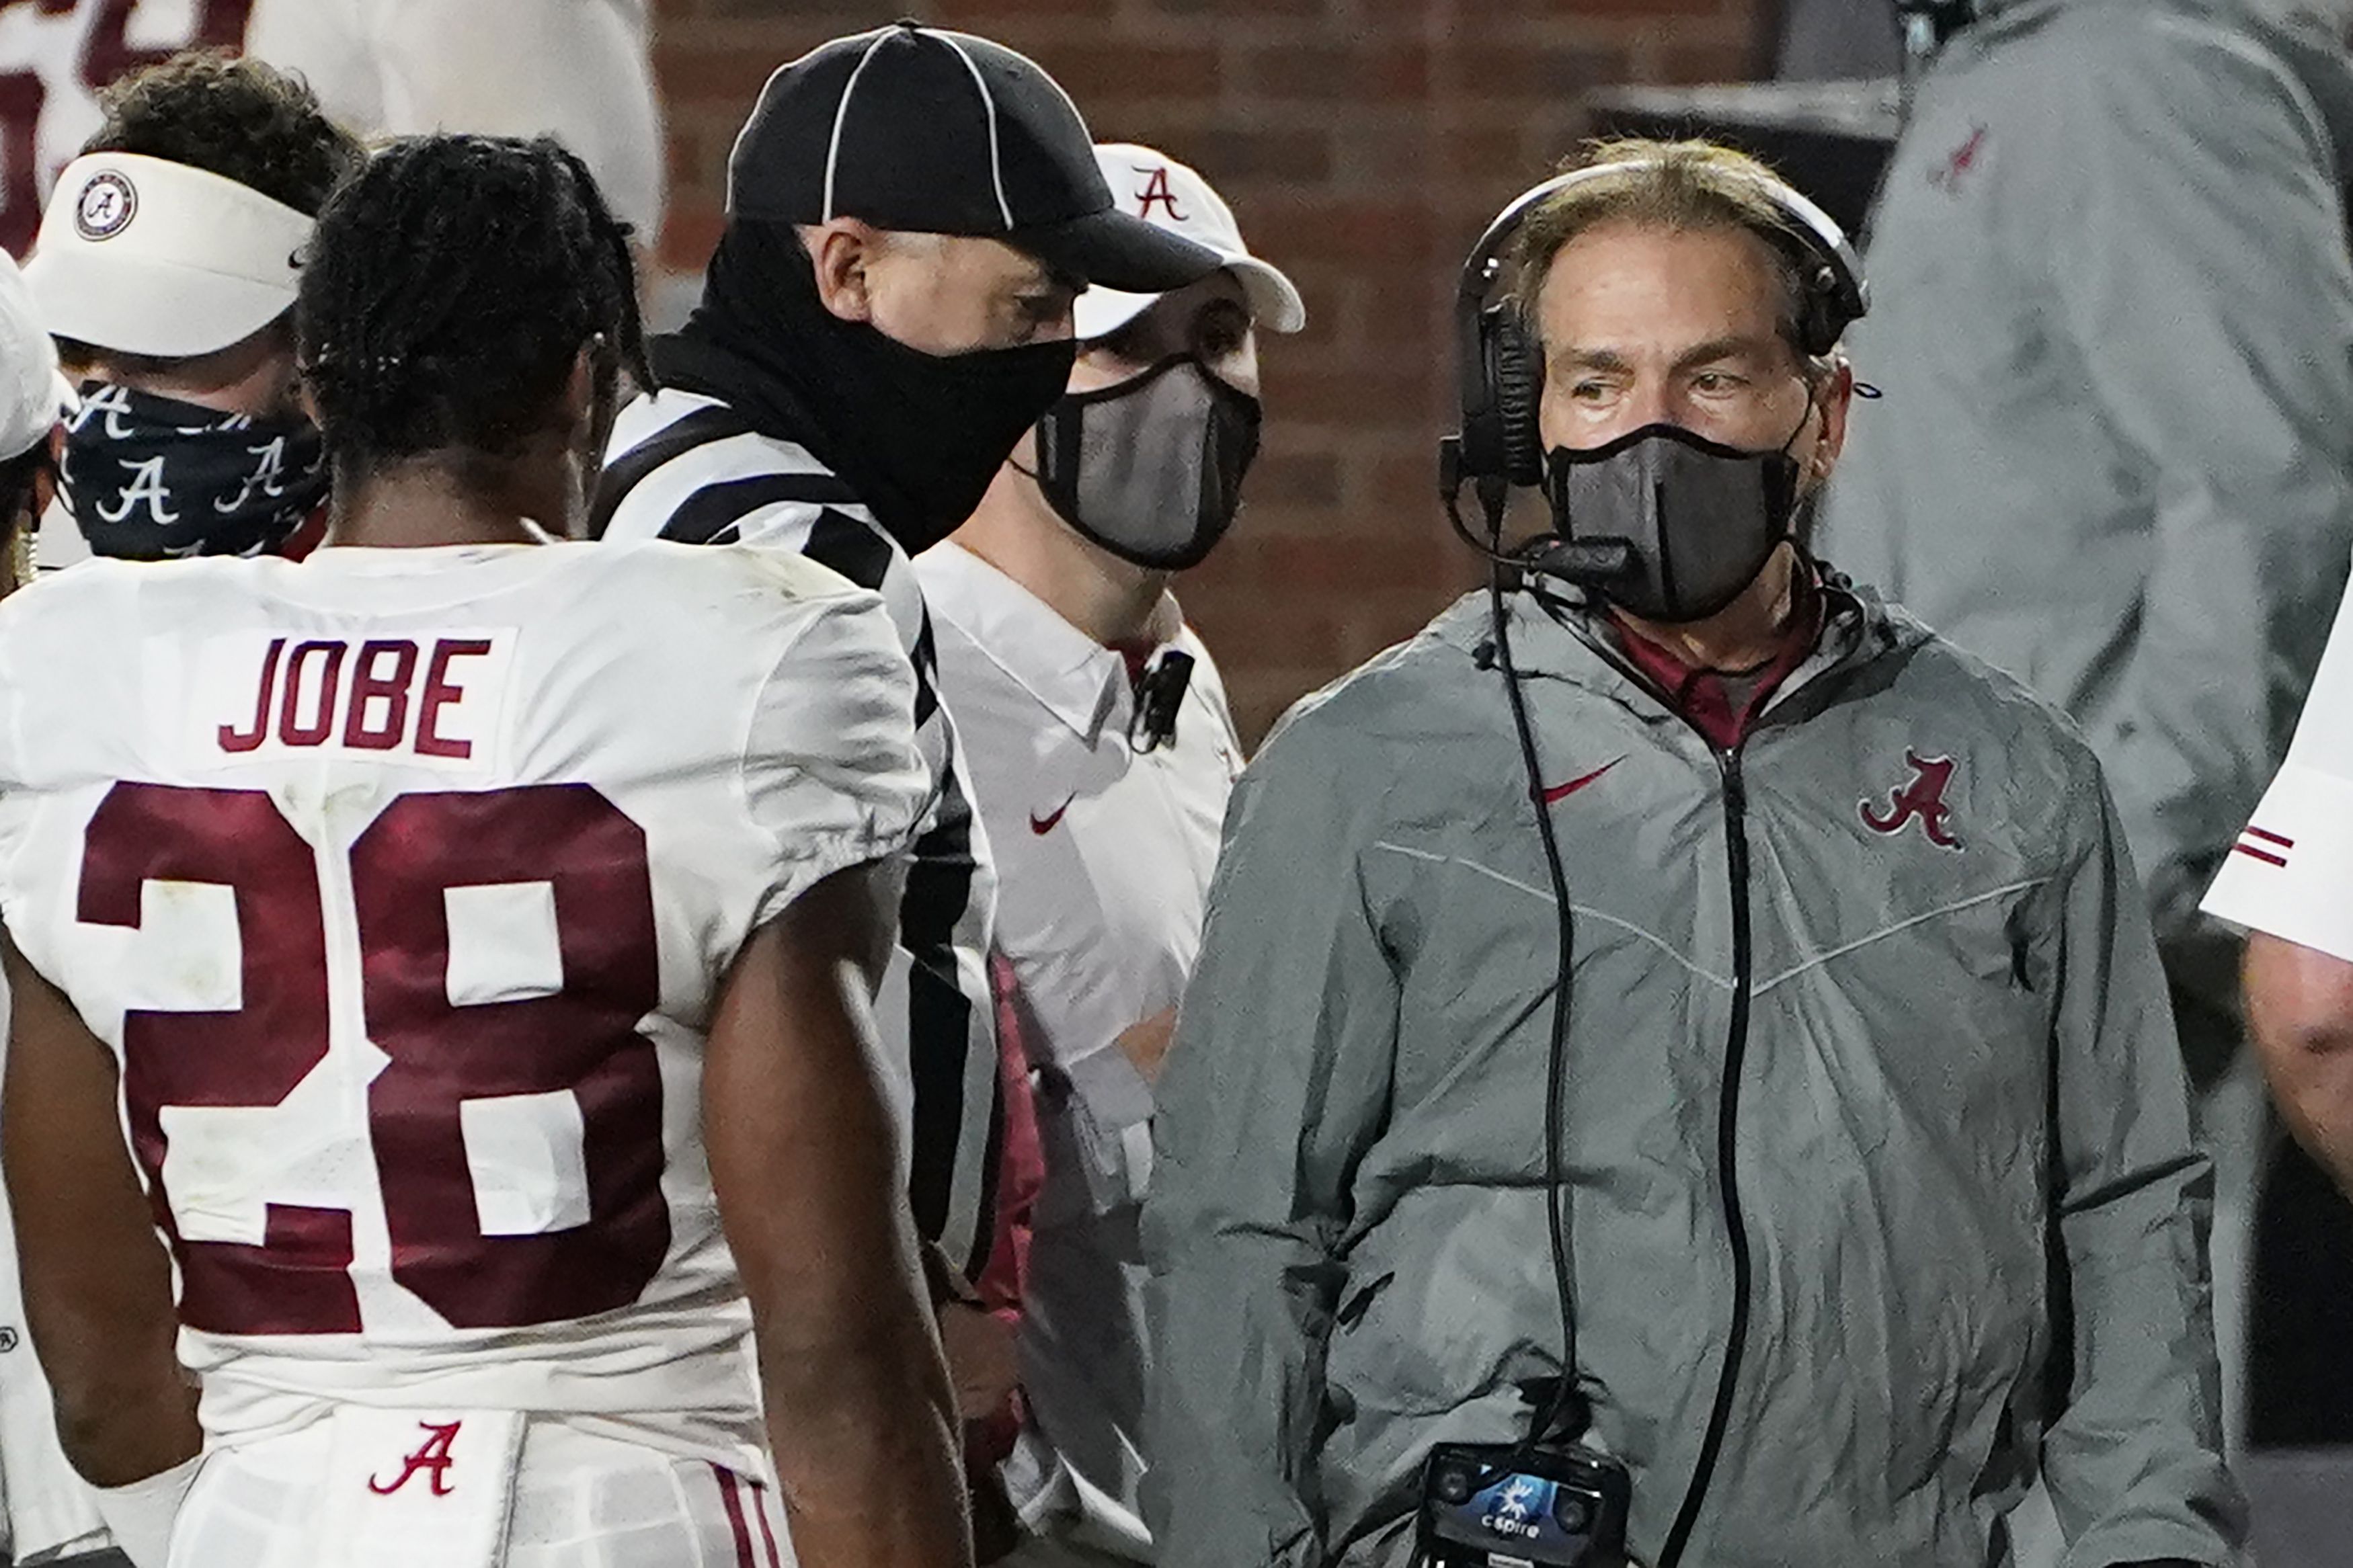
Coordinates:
(1502, 371)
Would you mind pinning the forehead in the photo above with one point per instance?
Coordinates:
(979, 259)
(1625, 282)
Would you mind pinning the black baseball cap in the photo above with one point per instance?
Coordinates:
(924, 131)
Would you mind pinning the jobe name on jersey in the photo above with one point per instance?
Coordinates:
(434, 698)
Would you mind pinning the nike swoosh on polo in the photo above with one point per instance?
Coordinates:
(1559, 793)
(1042, 826)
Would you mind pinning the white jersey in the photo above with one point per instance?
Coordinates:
(402, 881)
(2291, 873)
(1103, 856)
(579, 69)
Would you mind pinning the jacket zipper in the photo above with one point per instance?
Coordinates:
(1727, 1130)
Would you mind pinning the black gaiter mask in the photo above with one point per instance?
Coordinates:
(918, 436)
(1152, 468)
(1700, 519)
(153, 479)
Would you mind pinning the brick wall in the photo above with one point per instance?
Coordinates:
(1364, 143)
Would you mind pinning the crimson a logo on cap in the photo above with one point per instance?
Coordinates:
(107, 206)
(1157, 188)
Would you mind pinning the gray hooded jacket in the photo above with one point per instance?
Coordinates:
(2113, 314)
(1877, 1145)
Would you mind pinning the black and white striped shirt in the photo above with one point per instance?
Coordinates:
(686, 466)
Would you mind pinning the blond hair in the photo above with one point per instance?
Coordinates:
(1686, 187)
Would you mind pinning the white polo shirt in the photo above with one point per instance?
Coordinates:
(2291, 873)
(1103, 862)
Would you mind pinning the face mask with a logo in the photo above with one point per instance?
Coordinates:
(1151, 470)
(153, 479)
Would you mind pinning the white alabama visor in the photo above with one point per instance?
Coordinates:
(146, 256)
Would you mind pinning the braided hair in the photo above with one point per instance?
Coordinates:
(451, 288)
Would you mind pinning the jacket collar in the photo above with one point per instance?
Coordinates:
(1076, 678)
(1568, 641)
(1704, 698)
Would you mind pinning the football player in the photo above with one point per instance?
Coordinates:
(495, 1059)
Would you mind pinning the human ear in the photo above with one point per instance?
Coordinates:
(1834, 396)
(843, 251)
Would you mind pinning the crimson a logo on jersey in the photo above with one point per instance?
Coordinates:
(432, 1460)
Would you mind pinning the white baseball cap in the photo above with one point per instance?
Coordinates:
(33, 395)
(1157, 188)
(147, 256)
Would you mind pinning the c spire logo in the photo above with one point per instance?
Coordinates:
(1157, 188)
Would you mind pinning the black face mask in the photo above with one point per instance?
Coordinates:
(1700, 520)
(153, 479)
(1152, 469)
(918, 436)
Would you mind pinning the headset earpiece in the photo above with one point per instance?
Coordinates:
(1517, 371)
(1825, 310)
(1505, 381)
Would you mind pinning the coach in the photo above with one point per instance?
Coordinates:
(1874, 1157)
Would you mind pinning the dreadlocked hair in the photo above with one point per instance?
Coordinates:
(236, 118)
(451, 288)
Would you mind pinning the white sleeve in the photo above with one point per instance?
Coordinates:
(2291, 873)
(580, 71)
(831, 768)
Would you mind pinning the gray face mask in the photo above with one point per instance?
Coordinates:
(1698, 520)
(1151, 470)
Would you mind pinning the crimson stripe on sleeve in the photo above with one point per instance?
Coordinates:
(2264, 855)
(734, 1506)
(2271, 837)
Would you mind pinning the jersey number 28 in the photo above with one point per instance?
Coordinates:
(582, 1039)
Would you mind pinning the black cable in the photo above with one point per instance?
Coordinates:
(1569, 1413)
